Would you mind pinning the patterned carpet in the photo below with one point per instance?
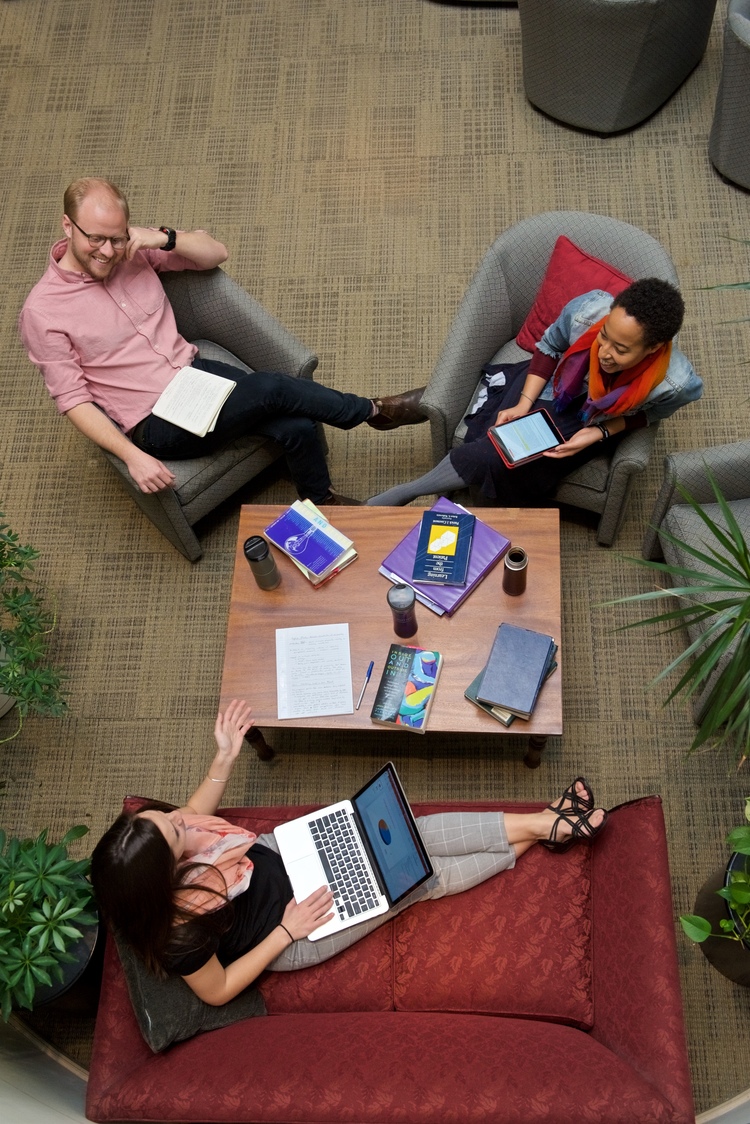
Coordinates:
(357, 159)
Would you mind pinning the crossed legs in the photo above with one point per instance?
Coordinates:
(466, 849)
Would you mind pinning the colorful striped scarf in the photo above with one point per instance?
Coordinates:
(629, 390)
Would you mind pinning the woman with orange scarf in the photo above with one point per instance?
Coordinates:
(606, 366)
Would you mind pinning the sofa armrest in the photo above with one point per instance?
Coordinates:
(728, 464)
(637, 1000)
(209, 304)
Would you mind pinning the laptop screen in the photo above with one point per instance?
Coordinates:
(390, 829)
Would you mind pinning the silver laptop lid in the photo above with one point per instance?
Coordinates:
(391, 834)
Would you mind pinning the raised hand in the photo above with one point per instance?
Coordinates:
(231, 726)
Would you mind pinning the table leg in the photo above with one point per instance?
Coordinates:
(533, 758)
(255, 737)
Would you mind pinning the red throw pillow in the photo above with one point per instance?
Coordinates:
(571, 272)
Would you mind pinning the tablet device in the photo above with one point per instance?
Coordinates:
(525, 438)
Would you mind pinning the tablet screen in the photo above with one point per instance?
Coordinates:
(527, 436)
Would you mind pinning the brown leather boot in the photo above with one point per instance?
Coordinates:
(398, 410)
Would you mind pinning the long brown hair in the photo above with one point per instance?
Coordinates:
(136, 879)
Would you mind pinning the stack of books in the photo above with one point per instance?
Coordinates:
(509, 685)
(486, 548)
(317, 549)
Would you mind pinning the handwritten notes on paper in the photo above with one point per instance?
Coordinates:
(313, 671)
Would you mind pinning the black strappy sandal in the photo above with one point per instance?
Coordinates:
(582, 830)
(578, 803)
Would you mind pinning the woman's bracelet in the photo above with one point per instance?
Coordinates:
(218, 780)
(531, 400)
(283, 926)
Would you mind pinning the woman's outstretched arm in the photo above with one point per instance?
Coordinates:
(231, 726)
(216, 985)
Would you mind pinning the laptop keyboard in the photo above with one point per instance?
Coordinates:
(340, 851)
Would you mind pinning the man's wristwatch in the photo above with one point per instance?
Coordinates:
(171, 237)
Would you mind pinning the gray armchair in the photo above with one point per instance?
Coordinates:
(730, 467)
(492, 312)
(729, 143)
(606, 65)
(227, 324)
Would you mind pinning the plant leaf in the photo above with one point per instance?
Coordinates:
(697, 928)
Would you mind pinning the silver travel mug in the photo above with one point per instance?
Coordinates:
(261, 562)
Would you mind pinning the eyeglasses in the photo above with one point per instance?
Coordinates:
(97, 240)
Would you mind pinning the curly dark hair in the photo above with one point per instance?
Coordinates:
(657, 306)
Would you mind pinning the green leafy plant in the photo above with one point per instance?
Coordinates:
(718, 598)
(43, 900)
(732, 285)
(26, 675)
(736, 893)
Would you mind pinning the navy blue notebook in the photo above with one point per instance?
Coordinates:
(516, 668)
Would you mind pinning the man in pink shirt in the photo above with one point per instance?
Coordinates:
(101, 330)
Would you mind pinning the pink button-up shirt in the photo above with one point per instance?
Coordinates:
(112, 342)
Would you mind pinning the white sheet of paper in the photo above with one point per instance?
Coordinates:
(313, 671)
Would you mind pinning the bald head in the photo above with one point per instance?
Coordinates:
(93, 187)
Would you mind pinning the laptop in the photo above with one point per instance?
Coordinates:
(368, 850)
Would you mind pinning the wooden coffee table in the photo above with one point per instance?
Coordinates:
(358, 596)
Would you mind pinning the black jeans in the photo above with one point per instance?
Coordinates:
(270, 405)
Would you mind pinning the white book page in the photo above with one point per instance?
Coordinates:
(313, 671)
(193, 400)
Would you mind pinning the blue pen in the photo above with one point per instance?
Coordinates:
(364, 685)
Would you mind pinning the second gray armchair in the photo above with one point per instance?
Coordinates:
(490, 316)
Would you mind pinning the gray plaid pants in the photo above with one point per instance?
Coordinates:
(466, 848)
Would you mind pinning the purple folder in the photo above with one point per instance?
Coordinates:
(487, 548)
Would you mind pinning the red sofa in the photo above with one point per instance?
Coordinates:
(550, 993)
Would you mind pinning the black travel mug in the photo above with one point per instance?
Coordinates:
(401, 599)
(261, 561)
(514, 574)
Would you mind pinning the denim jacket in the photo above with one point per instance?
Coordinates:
(679, 386)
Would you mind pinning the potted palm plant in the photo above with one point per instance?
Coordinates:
(728, 919)
(44, 899)
(712, 595)
(27, 677)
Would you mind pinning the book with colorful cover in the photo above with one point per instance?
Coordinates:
(444, 548)
(407, 687)
(487, 548)
(306, 536)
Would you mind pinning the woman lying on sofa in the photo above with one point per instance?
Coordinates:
(201, 898)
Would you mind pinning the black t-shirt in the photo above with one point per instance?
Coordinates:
(255, 913)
